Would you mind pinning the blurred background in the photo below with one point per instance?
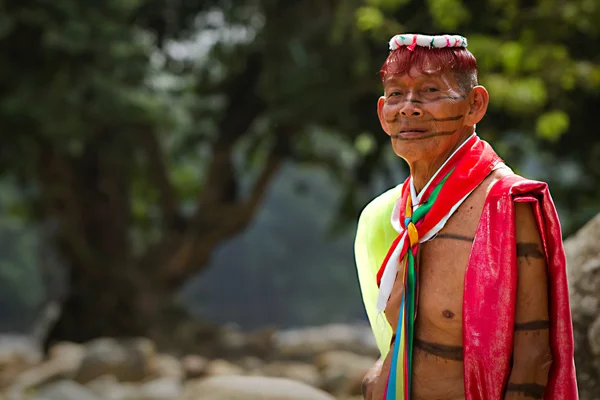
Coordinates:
(191, 172)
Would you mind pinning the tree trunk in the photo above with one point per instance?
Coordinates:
(107, 304)
(88, 198)
(111, 291)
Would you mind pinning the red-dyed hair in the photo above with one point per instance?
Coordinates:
(433, 61)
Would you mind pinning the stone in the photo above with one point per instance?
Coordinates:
(232, 338)
(107, 387)
(341, 369)
(308, 342)
(166, 388)
(68, 352)
(297, 371)
(65, 390)
(252, 365)
(583, 270)
(250, 388)
(194, 366)
(64, 361)
(261, 343)
(126, 359)
(589, 305)
(220, 367)
(19, 347)
(594, 337)
(17, 354)
(167, 366)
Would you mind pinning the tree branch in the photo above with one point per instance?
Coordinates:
(218, 223)
(169, 203)
(218, 214)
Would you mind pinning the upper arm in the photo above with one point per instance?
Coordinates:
(532, 326)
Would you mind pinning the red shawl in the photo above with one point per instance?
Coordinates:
(491, 291)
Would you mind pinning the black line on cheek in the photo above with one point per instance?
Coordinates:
(426, 136)
(532, 325)
(454, 353)
(453, 98)
(455, 118)
(532, 390)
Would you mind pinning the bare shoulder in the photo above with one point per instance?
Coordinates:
(495, 176)
(470, 212)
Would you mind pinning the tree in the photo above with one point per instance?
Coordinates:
(105, 150)
(147, 132)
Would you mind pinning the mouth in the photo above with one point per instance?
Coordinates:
(411, 133)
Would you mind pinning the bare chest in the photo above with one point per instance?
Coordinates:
(442, 264)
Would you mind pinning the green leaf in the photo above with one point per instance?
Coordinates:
(388, 5)
(369, 18)
(364, 143)
(512, 56)
(552, 125)
(448, 14)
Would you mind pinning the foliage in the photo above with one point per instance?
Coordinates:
(149, 132)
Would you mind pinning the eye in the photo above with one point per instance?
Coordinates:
(431, 90)
(393, 94)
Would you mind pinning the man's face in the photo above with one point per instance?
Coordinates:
(425, 115)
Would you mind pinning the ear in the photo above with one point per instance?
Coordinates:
(478, 104)
(380, 104)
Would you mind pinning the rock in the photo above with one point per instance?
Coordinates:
(253, 366)
(107, 387)
(68, 352)
(127, 359)
(233, 343)
(167, 366)
(64, 361)
(65, 390)
(261, 343)
(231, 338)
(194, 366)
(296, 371)
(308, 342)
(341, 369)
(223, 368)
(19, 347)
(583, 269)
(17, 353)
(594, 337)
(167, 388)
(250, 388)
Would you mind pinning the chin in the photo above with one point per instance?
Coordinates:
(412, 151)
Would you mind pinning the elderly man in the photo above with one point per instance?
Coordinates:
(461, 267)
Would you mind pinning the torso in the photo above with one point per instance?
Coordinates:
(437, 354)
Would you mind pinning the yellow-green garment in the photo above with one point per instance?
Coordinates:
(374, 235)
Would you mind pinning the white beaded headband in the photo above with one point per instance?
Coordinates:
(437, 42)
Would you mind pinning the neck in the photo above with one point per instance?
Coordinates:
(423, 170)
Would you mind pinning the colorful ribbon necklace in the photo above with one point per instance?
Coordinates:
(455, 180)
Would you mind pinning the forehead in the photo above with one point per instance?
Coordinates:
(425, 73)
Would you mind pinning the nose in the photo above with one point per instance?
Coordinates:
(411, 109)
